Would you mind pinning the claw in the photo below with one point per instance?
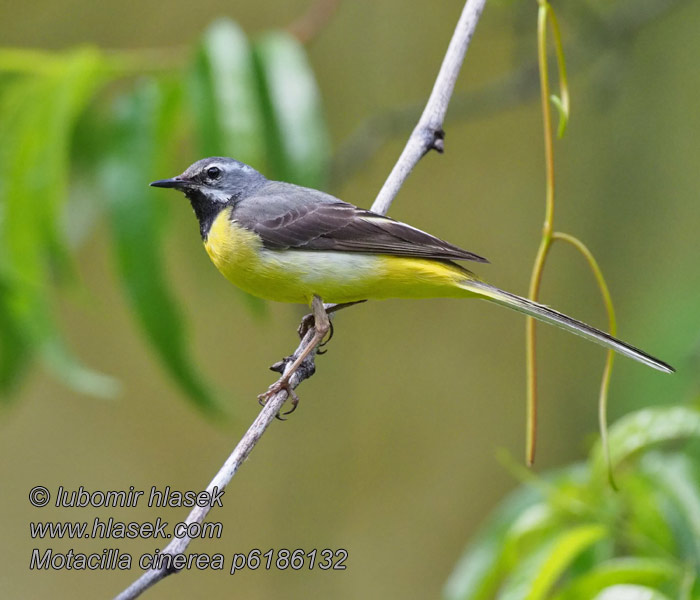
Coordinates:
(307, 322)
(330, 335)
(271, 391)
(275, 388)
(263, 398)
(294, 400)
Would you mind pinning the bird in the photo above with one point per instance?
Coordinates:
(287, 243)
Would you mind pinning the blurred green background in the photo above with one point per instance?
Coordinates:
(391, 454)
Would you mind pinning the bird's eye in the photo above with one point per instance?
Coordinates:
(213, 172)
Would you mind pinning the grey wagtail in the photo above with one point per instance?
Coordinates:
(288, 243)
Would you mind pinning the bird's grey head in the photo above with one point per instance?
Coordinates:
(218, 178)
(211, 184)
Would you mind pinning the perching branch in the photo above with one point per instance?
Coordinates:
(427, 135)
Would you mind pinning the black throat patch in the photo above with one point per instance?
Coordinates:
(206, 210)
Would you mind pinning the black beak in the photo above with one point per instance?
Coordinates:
(174, 182)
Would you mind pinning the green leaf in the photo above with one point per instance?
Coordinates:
(520, 524)
(535, 576)
(645, 517)
(637, 570)
(630, 592)
(677, 478)
(142, 123)
(38, 117)
(60, 360)
(298, 139)
(26, 60)
(527, 531)
(224, 93)
(226, 103)
(477, 574)
(644, 428)
(47, 121)
(15, 350)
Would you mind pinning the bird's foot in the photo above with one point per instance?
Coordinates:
(307, 323)
(280, 385)
(322, 327)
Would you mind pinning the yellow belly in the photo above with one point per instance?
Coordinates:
(298, 275)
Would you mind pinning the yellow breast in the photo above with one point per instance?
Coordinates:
(229, 245)
(236, 253)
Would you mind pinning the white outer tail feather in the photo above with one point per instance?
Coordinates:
(548, 315)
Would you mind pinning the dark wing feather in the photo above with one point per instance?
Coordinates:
(305, 219)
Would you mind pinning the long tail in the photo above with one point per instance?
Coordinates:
(547, 315)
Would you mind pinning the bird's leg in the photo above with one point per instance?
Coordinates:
(328, 339)
(322, 326)
(307, 321)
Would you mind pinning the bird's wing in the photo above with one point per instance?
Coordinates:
(306, 219)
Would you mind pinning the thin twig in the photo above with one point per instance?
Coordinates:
(549, 236)
(612, 329)
(428, 134)
(544, 15)
(430, 123)
(546, 241)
